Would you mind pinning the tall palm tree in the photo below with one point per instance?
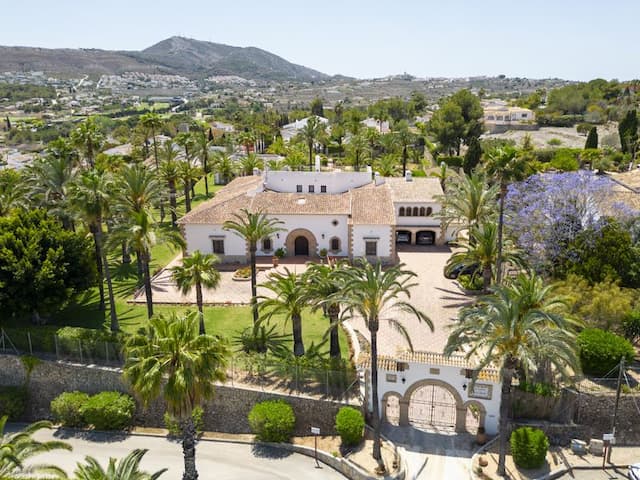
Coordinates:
(405, 140)
(138, 189)
(197, 270)
(224, 165)
(290, 298)
(514, 329)
(356, 149)
(249, 163)
(469, 200)
(311, 133)
(152, 123)
(171, 360)
(17, 448)
(201, 146)
(141, 233)
(481, 248)
(91, 197)
(127, 468)
(323, 286)
(253, 227)
(189, 174)
(375, 294)
(388, 165)
(170, 172)
(88, 138)
(13, 191)
(505, 165)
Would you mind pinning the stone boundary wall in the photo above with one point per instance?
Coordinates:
(226, 412)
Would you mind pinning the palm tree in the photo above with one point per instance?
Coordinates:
(189, 174)
(290, 298)
(387, 165)
(323, 286)
(91, 196)
(88, 138)
(311, 133)
(13, 191)
(514, 329)
(249, 163)
(138, 189)
(170, 359)
(151, 123)
(371, 292)
(469, 200)
(253, 227)
(405, 139)
(506, 166)
(481, 248)
(197, 270)
(356, 149)
(201, 145)
(127, 468)
(17, 448)
(224, 166)
(170, 173)
(141, 233)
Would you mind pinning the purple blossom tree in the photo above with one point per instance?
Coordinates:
(546, 212)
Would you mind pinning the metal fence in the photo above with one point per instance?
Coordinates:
(254, 370)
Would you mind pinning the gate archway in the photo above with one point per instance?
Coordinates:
(301, 242)
(432, 406)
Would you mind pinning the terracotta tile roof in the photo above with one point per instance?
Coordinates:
(419, 189)
(372, 205)
(277, 203)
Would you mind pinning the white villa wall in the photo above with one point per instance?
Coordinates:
(319, 225)
(454, 376)
(383, 233)
(199, 237)
(430, 221)
(336, 182)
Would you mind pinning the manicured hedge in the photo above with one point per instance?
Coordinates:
(66, 408)
(109, 411)
(272, 421)
(13, 402)
(601, 351)
(529, 447)
(350, 425)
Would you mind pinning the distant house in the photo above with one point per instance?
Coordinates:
(499, 114)
(292, 129)
(381, 127)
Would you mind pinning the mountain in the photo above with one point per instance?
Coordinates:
(175, 55)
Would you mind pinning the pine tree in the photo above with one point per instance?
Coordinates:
(592, 139)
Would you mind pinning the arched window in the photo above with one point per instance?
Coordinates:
(335, 244)
(401, 214)
(429, 211)
(266, 244)
(415, 211)
(408, 211)
(422, 211)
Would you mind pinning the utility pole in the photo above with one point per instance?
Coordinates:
(615, 410)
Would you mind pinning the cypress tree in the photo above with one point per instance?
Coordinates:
(592, 139)
(628, 131)
(473, 155)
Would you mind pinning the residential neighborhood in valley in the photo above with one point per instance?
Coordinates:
(286, 260)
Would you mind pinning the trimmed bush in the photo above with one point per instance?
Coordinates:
(109, 411)
(601, 351)
(529, 447)
(350, 426)
(66, 408)
(13, 402)
(272, 421)
(173, 425)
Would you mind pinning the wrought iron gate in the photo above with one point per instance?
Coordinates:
(432, 406)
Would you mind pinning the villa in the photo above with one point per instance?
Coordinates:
(348, 214)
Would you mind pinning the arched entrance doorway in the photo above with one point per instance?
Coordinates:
(432, 406)
(301, 246)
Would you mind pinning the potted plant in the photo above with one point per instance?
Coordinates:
(323, 253)
(277, 255)
(481, 436)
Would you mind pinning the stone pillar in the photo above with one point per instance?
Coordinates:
(461, 417)
(404, 413)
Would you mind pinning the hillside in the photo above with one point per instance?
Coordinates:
(175, 55)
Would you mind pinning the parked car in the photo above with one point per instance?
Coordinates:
(634, 471)
(425, 238)
(453, 272)
(403, 237)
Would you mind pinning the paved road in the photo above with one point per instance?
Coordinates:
(608, 474)
(215, 460)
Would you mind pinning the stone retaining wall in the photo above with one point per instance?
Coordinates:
(227, 412)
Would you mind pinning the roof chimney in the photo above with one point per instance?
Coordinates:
(317, 169)
(407, 176)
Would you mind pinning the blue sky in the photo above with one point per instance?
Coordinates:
(572, 39)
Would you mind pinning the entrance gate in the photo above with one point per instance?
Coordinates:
(432, 406)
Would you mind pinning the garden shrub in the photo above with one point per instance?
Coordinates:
(471, 282)
(529, 447)
(350, 425)
(109, 411)
(66, 408)
(13, 402)
(631, 325)
(601, 351)
(272, 421)
(173, 425)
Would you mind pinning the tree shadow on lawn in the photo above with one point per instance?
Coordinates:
(267, 451)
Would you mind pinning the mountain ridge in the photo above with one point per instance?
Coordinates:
(174, 55)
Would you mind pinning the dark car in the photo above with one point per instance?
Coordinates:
(453, 272)
(425, 238)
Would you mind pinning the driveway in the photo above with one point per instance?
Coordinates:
(435, 295)
(215, 460)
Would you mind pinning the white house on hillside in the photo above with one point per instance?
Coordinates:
(350, 214)
(290, 130)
